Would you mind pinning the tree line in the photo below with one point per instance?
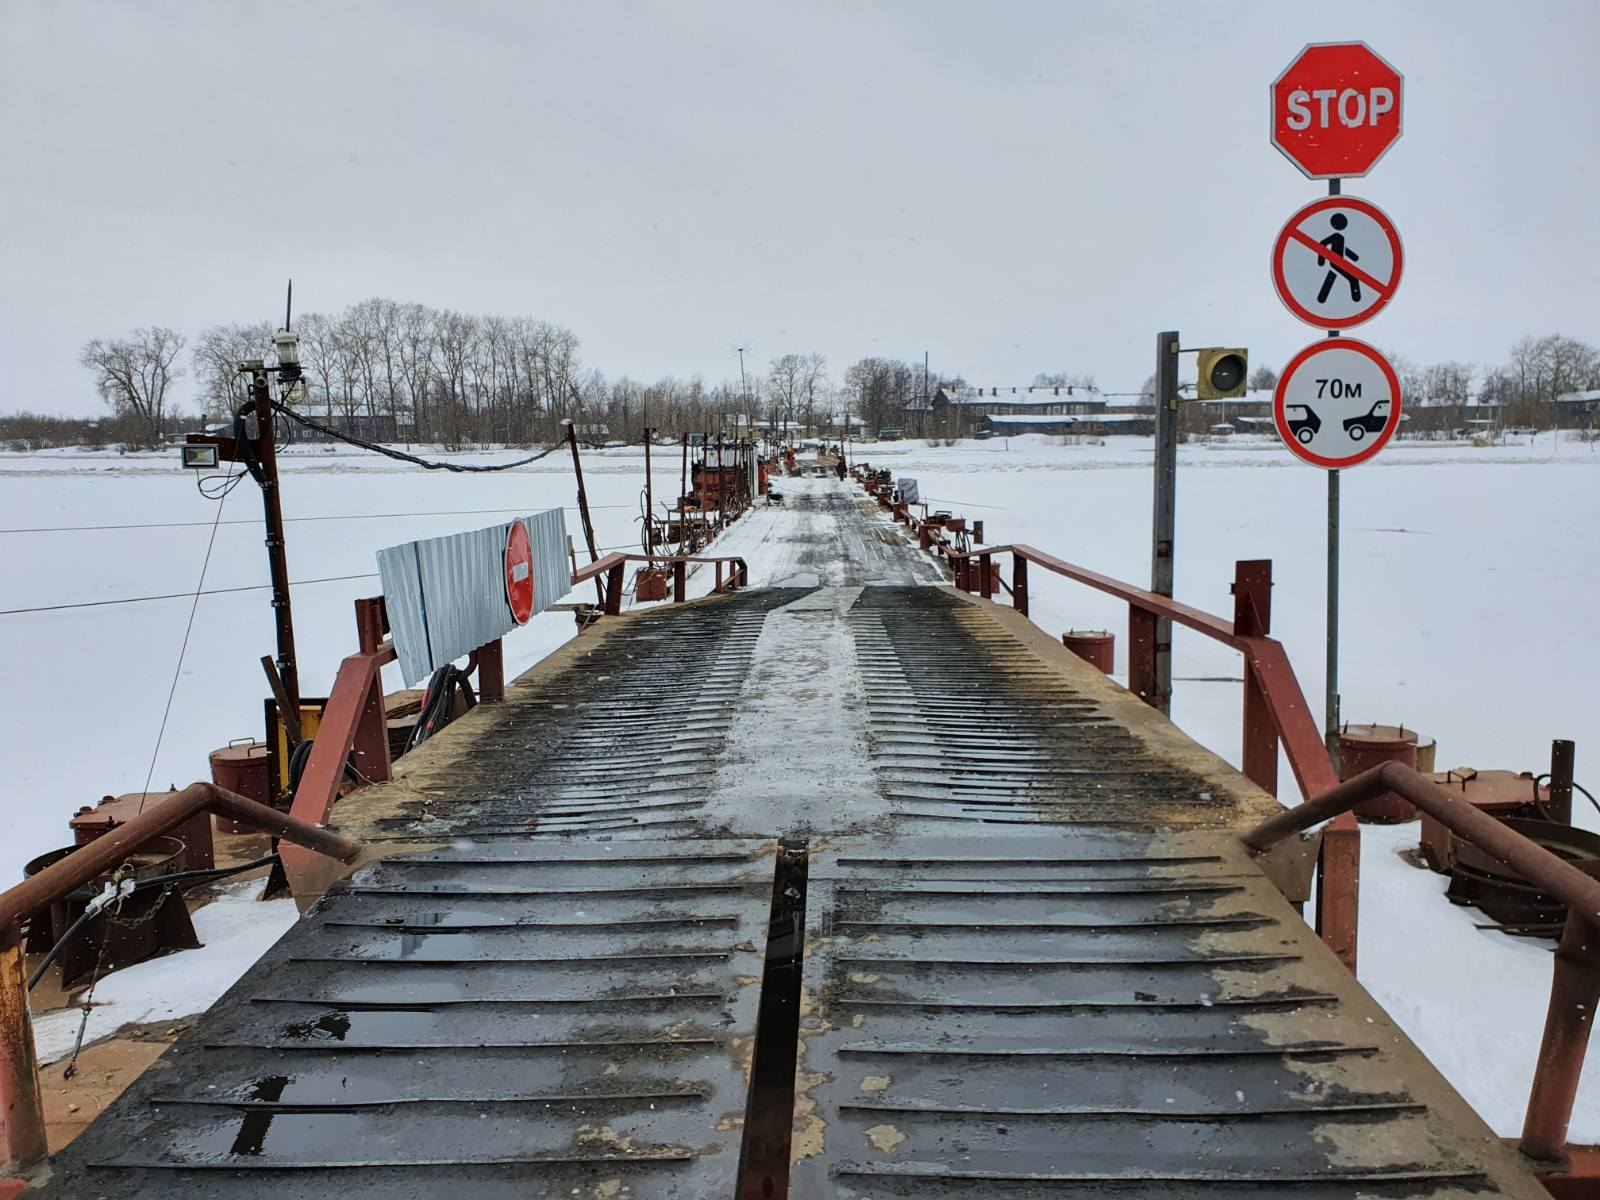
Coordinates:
(412, 372)
(445, 377)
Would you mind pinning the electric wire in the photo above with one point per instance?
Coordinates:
(401, 455)
(210, 875)
(442, 512)
(188, 629)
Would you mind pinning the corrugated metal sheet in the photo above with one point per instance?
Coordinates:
(446, 596)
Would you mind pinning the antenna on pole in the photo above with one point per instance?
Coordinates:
(288, 305)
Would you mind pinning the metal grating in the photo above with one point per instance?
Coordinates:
(540, 1020)
(615, 743)
(1097, 1015)
(968, 725)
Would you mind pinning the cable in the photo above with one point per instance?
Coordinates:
(183, 649)
(442, 512)
(254, 587)
(163, 881)
(401, 455)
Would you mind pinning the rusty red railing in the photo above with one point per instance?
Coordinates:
(1575, 985)
(22, 1127)
(1275, 712)
(613, 566)
(1275, 709)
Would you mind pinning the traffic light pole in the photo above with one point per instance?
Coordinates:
(1164, 521)
(1330, 699)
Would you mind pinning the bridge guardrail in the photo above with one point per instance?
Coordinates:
(22, 1128)
(1275, 711)
(1575, 984)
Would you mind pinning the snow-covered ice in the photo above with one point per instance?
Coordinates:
(1469, 586)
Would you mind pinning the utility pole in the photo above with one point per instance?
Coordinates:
(277, 558)
(1164, 518)
(744, 387)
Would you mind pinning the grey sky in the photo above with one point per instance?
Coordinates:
(1015, 187)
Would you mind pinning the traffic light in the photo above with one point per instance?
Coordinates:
(1222, 374)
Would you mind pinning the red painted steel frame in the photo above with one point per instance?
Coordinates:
(1575, 988)
(1275, 709)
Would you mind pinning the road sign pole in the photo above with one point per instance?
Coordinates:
(1330, 702)
(1164, 520)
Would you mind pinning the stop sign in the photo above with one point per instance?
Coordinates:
(1336, 109)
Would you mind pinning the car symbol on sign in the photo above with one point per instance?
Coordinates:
(1367, 422)
(1304, 428)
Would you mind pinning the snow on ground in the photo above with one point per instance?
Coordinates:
(234, 930)
(1469, 586)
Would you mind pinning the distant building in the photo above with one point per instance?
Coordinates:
(1577, 410)
(1069, 408)
(366, 426)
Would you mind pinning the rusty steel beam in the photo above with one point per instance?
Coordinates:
(109, 849)
(1160, 606)
(21, 1103)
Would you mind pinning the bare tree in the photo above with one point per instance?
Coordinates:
(216, 356)
(133, 375)
(1263, 379)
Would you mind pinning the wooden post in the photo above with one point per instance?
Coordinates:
(588, 526)
(1019, 583)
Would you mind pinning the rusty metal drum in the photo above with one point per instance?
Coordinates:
(1362, 747)
(1095, 646)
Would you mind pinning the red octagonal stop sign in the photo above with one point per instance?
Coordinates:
(1336, 109)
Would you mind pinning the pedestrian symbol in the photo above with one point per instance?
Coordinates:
(1337, 262)
(1335, 244)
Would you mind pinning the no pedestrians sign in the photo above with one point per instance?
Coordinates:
(1337, 262)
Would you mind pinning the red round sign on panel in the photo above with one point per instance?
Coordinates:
(1337, 403)
(1337, 262)
(519, 572)
(1336, 109)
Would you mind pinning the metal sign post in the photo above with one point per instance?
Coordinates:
(1335, 110)
(1166, 506)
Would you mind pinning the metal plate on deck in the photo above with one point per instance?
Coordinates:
(496, 1021)
(1102, 1014)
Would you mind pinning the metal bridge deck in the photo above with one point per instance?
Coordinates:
(1035, 960)
(1099, 1015)
(568, 1019)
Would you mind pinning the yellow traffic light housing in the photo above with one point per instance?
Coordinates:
(1222, 373)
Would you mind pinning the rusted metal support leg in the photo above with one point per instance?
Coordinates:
(1252, 617)
(369, 754)
(986, 583)
(1339, 887)
(1142, 657)
(1019, 584)
(614, 589)
(491, 672)
(680, 582)
(21, 1106)
(1561, 759)
(372, 622)
(1574, 992)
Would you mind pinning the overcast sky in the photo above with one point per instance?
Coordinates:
(1013, 187)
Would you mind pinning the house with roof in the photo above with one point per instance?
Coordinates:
(1067, 408)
